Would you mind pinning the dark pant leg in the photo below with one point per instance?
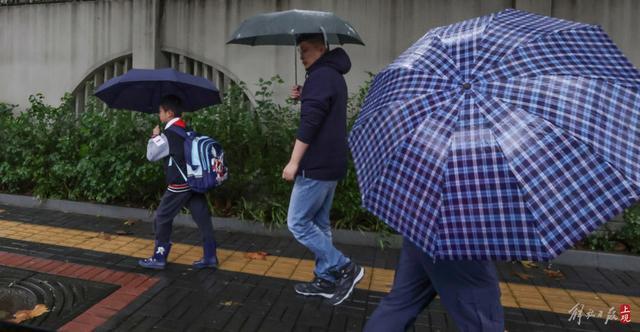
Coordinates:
(469, 291)
(169, 207)
(412, 291)
(200, 214)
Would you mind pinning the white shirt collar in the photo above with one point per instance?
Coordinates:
(172, 121)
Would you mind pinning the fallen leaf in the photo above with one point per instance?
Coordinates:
(23, 315)
(620, 247)
(121, 232)
(130, 222)
(104, 236)
(523, 276)
(554, 274)
(39, 310)
(529, 264)
(229, 303)
(256, 255)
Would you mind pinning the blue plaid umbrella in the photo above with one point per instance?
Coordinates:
(505, 137)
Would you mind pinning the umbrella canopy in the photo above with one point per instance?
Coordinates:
(505, 137)
(281, 28)
(142, 89)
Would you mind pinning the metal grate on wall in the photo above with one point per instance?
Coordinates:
(220, 77)
(107, 71)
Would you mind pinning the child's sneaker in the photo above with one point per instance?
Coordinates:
(159, 259)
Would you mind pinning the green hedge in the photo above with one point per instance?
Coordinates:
(99, 155)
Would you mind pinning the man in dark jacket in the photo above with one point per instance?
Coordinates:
(318, 161)
(169, 146)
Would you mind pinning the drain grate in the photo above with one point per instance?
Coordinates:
(65, 297)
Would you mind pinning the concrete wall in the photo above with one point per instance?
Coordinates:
(50, 48)
(619, 18)
(388, 27)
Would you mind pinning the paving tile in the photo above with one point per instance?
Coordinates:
(257, 295)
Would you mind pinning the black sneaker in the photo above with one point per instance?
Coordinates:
(346, 279)
(318, 287)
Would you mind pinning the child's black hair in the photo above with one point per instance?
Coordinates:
(172, 103)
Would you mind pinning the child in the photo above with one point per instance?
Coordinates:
(169, 146)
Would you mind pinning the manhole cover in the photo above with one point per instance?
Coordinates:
(65, 297)
(14, 298)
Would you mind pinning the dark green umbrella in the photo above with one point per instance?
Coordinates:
(282, 28)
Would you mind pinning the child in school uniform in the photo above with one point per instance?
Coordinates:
(168, 146)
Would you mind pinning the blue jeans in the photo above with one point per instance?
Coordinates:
(308, 220)
(468, 290)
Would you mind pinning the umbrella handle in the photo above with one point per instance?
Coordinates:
(295, 66)
(326, 38)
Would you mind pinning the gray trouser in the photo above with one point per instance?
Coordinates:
(170, 206)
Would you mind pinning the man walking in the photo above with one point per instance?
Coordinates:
(318, 161)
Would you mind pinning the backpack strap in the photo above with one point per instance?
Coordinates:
(178, 167)
(182, 133)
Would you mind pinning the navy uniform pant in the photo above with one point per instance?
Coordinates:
(171, 204)
(468, 290)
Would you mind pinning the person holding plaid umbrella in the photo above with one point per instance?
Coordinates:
(506, 137)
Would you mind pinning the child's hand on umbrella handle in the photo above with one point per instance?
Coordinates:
(156, 131)
(295, 92)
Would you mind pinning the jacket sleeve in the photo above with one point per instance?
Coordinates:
(316, 99)
(157, 148)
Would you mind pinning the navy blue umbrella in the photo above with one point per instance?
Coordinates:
(142, 89)
(505, 137)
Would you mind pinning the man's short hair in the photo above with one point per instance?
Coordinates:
(315, 38)
(172, 103)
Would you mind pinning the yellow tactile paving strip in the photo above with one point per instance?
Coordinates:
(514, 295)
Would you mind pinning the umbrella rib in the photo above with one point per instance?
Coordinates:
(393, 149)
(618, 123)
(561, 133)
(540, 238)
(405, 101)
(522, 43)
(579, 139)
(626, 126)
(397, 90)
(445, 163)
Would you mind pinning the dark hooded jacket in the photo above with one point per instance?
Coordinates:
(323, 118)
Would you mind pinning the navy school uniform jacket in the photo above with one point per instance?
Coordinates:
(170, 148)
(323, 118)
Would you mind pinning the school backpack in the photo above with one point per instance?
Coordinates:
(204, 158)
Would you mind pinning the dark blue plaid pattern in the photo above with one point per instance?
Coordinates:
(506, 137)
